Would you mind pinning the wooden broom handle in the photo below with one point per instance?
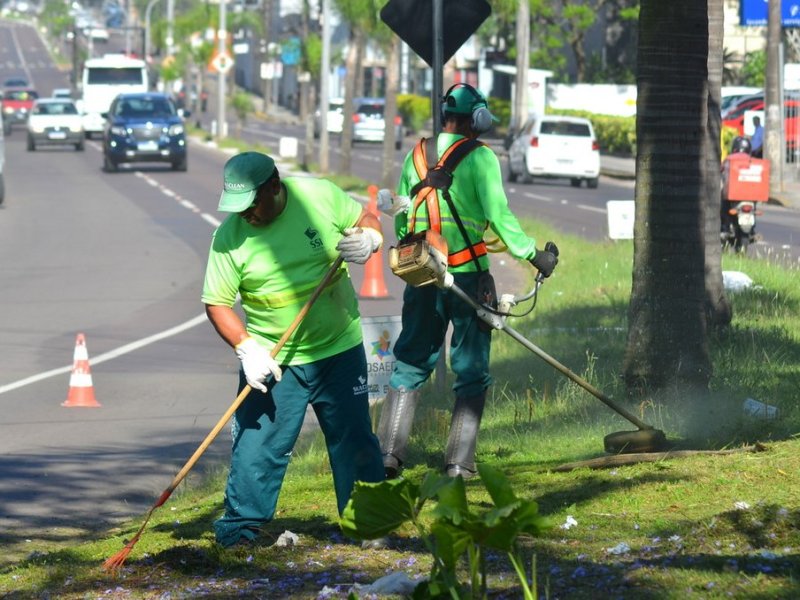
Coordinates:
(246, 390)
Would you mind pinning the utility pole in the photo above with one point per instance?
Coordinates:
(170, 27)
(324, 81)
(520, 112)
(222, 126)
(438, 65)
(772, 98)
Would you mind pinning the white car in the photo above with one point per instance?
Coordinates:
(55, 122)
(555, 147)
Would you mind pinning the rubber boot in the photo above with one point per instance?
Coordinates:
(394, 428)
(460, 453)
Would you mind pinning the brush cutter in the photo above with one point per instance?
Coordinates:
(422, 260)
(117, 560)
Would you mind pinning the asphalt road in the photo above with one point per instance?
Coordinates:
(120, 258)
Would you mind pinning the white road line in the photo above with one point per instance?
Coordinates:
(18, 49)
(592, 208)
(214, 222)
(537, 197)
(110, 354)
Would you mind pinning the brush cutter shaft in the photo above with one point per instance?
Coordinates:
(499, 323)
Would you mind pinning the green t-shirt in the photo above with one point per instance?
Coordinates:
(480, 201)
(276, 268)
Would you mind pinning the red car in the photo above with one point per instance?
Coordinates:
(791, 114)
(17, 104)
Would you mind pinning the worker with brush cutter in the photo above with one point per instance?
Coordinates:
(272, 252)
(450, 191)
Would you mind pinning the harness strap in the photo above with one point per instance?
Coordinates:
(438, 176)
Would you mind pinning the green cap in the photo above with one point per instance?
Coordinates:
(463, 99)
(243, 175)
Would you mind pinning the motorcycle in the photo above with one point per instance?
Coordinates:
(739, 224)
(745, 183)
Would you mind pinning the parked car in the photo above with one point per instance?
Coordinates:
(735, 118)
(144, 127)
(15, 82)
(65, 93)
(369, 124)
(335, 117)
(555, 147)
(17, 104)
(55, 122)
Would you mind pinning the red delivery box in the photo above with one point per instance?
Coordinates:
(745, 178)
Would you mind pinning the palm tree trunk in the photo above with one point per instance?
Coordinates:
(718, 309)
(667, 345)
(388, 178)
(351, 77)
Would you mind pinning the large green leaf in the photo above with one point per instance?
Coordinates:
(376, 509)
(450, 542)
(452, 501)
(497, 485)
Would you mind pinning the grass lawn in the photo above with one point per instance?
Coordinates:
(700, 526)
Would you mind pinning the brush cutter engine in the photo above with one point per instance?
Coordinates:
(421, 259)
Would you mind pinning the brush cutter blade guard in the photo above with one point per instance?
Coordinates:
(634, 442)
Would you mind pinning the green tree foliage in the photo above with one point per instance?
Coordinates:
(55, 16)
(754, 69)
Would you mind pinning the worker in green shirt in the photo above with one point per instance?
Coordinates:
(273, 250)
(477, 202)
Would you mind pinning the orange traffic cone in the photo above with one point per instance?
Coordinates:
(374, 285)
(81, 390)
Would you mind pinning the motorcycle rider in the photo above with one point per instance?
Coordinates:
(740, 146)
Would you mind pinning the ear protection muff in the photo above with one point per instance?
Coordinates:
(481, 120)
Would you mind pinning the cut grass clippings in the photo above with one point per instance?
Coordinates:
(703, 526)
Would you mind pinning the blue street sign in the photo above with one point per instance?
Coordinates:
(754, 13)
(290, 51)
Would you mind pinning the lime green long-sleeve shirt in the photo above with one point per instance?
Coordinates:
(479, 199)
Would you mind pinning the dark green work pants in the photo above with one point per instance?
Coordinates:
(426, 313)
(266, 426)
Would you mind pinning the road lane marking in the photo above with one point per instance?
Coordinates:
(592, 208)
(111, 354)
(537, 197)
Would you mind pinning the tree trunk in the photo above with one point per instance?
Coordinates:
(667, 345)
(351, 77)
(718, 309)
(388, 178)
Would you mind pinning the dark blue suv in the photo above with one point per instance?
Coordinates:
(144, 128)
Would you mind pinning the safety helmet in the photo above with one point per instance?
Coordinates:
(741, 144)
(463, 99)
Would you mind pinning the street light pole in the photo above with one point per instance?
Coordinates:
(221, 35)
(170, 27)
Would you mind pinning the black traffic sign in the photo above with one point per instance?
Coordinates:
(412, 21)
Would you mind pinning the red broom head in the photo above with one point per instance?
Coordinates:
(117, 560)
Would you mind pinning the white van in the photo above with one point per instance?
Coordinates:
(555, 146)
(102, 80)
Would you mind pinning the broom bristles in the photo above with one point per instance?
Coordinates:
(115, 561)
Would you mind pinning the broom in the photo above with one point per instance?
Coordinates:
(117, 560)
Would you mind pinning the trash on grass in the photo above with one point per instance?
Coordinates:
(287, 538)
(570, 522)
(754, 408)
(621, 548)
(736, 281)
(394, 583)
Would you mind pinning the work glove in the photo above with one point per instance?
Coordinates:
(546, 260)
(392, 205)
(359, 243)
(257, 363)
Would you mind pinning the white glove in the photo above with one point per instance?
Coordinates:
(359, 243)
(257, 363)
(392, 205)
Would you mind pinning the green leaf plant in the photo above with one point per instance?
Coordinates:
(450, 530)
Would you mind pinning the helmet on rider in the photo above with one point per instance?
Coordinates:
(741, 144)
